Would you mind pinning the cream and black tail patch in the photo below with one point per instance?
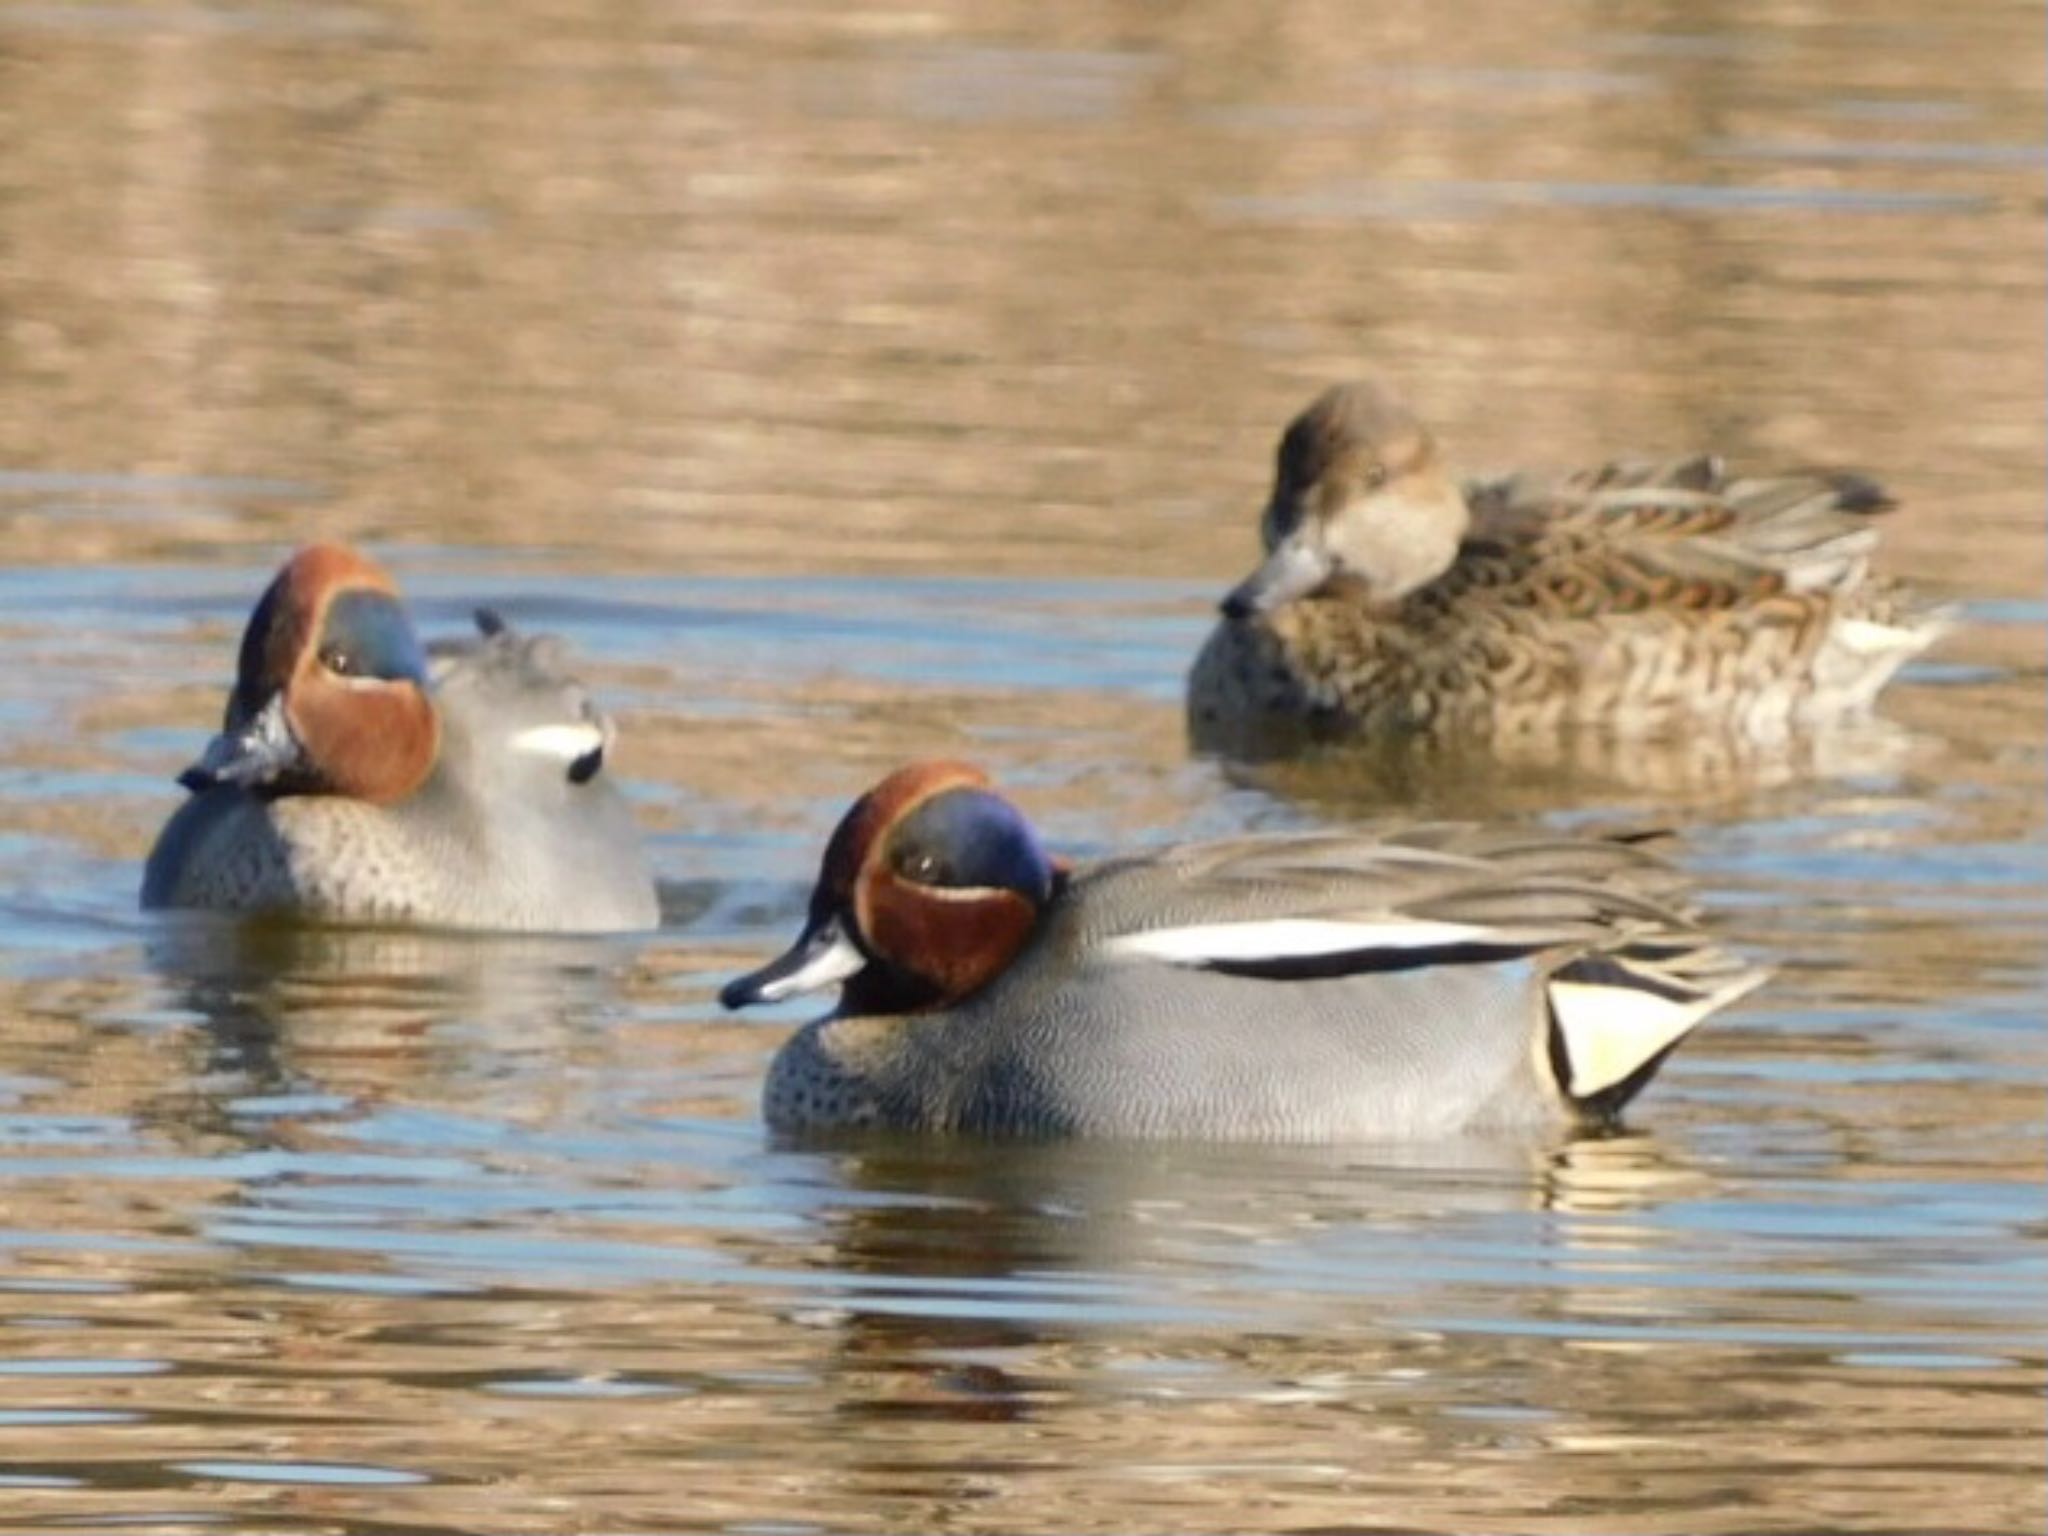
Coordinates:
(1615, 1016)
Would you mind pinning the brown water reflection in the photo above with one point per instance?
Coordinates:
(990, 288)
(849, 383)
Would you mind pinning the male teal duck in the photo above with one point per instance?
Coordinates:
(361, 778)
(1393, 600)
(1414, 981)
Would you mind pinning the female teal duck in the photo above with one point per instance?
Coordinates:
(1422, 980)
(359, 778)
(1393, 600)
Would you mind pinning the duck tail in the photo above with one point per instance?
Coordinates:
(1617, 1013)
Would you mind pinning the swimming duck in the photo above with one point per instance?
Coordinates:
(1634, 596)
(360, 777)
(1414, 981)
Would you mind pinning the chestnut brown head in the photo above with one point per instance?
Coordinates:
(930, 886)
(330, 691)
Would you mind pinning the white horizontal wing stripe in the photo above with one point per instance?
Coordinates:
(1286, 938)
(568, 742)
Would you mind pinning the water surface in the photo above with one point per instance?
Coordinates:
(855, 383)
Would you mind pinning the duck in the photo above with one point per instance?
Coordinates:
(361, 777)
(1394, 601)
(1408, 981)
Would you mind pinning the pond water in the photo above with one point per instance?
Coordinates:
(849, 383)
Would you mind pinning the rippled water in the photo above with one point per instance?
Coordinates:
(850, 384)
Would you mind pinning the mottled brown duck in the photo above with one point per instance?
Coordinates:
(1638, 597)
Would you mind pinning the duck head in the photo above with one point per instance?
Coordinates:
(1359, 498)
(930, 886)
(330, 690)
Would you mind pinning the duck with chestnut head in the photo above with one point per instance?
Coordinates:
(1417, 980)
(362, 777)
(1394, 600)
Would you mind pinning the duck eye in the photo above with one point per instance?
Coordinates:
(586, 767)
(924, 868)
(337, 660)
(1375, 476)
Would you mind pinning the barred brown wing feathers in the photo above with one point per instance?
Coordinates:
(1624, 545)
